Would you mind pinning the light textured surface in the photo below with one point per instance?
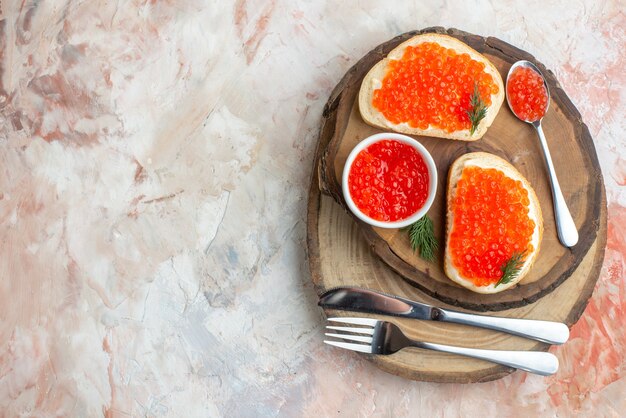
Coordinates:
(154, 164)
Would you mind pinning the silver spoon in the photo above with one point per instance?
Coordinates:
(565, 226)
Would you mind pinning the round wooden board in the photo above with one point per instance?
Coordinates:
(342, 253)
(573, 154)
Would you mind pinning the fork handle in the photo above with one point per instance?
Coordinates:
(531, 361)
(545, 331)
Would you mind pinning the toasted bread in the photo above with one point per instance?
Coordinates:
(373, 81)
(485, 160)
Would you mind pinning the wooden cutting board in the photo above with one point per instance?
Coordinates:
(345, 251)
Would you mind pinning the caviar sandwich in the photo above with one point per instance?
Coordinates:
(432, 85)
(494, 224)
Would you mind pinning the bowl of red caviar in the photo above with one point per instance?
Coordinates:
(389, 180)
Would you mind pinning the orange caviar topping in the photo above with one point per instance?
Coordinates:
(431, 86)
(527, 94)
(388, 181)
(490, 224)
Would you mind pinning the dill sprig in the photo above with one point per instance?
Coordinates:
(477, 111)
(512, 268)
(422, 237)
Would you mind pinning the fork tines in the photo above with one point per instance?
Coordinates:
(365, 339)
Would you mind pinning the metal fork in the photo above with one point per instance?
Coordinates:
(382, 337)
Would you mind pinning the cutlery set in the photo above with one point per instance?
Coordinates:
(374, 336)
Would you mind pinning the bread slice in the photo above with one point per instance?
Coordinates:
(486, 160)
(373, 81)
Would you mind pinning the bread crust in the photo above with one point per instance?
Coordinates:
(486, 160)
(373, 81)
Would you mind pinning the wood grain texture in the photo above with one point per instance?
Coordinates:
(343, 251)
(572, 151)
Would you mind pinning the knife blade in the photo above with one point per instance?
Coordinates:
(371, 301)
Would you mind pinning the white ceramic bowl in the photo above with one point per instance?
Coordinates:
(432, 184)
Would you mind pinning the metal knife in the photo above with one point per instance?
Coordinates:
(370, 301)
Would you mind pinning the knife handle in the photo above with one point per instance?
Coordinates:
(545, 331)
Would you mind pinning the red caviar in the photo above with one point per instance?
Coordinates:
(431, 86)
(490, 223)
(527, 94)
(388, 181)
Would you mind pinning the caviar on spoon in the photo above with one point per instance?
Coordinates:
(528, 97)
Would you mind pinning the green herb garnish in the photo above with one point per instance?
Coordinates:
(512, 268)
(422, 236)
(477, 111)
